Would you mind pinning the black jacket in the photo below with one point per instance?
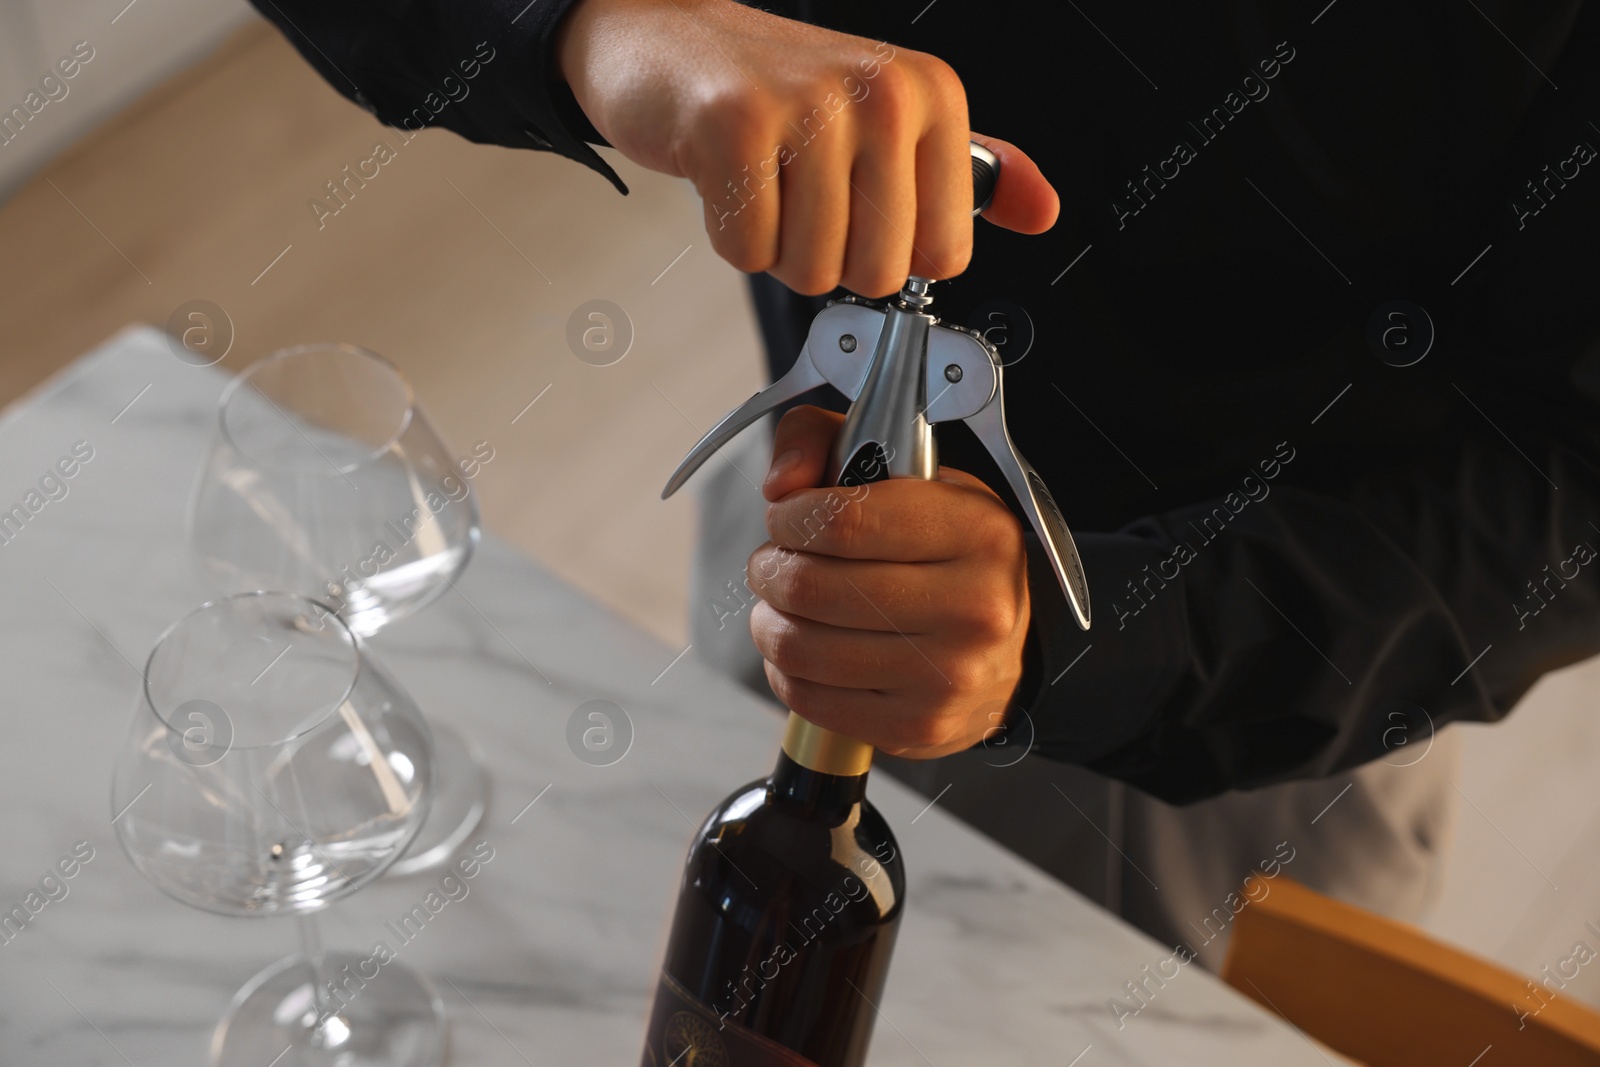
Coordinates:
(1301, 554)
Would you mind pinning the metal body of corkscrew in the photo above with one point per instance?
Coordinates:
(920, 372)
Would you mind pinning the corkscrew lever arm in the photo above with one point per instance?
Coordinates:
(988, 424)
(802, 377)
(971, 388)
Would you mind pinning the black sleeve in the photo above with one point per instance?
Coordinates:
(482, 68)
(1419, 557)
(1317, 632)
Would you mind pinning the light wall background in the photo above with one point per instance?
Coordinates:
(147, 42)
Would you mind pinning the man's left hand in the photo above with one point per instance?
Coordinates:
(893, 612)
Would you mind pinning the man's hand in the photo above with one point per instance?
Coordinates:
(893, 612)
(823, 158)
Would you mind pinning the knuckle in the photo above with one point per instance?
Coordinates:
(783, 687)
(897, 94)
(757, 261)
(948, 255)
(803, 589)
(778, 588)
(786, 649)
(995, 530)
(942, 82)
(734, 117)
(925, 731)
(874, 280)
(966, 673)
(809, 279)
(798, 695)
(991, 618)
(760, 570)
(742, 245)
(814, 101)
(788, 521)
(849, 527)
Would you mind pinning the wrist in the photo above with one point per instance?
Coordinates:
(589, 28)
(574, 38)
(606, 49)
(592, 36)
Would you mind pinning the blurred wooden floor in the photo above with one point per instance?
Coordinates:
(459, 262)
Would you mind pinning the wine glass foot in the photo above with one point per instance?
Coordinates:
(394, 1019)
(460, 800)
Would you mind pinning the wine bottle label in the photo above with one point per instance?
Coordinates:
(685, 1033)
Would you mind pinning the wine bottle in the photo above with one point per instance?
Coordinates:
(786, 917)
(793, 890)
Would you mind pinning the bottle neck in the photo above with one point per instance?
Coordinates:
(820, 770)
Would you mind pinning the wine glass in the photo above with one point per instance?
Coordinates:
(324, 478)
(273, 767)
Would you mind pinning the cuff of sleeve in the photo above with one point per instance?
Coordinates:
(526, 102)
(570, 133)
(1090, 693)
(484, 70)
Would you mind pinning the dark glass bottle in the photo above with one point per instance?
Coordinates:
(785, 921)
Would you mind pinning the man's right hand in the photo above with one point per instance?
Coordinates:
(823, 158)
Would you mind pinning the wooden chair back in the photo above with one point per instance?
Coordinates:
(1388, 995)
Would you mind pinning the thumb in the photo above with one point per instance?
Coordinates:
(1024, 200)
(800, 448)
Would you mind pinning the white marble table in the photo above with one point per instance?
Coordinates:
(551, 957)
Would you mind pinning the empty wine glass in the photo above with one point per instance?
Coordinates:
(272, 768)
(324, 478)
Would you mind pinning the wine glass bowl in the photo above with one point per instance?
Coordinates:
(274, 767)
(325, 478)
(271, 766)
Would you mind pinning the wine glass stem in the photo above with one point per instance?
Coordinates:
(311, 946)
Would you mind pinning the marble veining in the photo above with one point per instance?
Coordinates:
(551, 957)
